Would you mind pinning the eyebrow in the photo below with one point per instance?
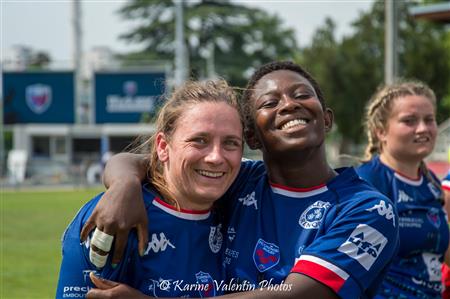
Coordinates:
(293, 86)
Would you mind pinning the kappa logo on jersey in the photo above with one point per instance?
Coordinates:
(387, 212)
(158, 244)
(312, 217)
(266, 255)
(403, 197)
(231, 232)
(39, 97)
(207, 284)
(215, 238)
(161, 287)
(249, 200)
(433, 189)
(433, 217)
(364, 245)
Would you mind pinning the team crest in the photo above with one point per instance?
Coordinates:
(129, 88)
(38, 97)
(266, 255)
(206, 285)
(433, 217)
(215, 238)
(312, 217)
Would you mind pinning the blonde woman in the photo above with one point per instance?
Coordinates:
(401, 130)
(194, 159)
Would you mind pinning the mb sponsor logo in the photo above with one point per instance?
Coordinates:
(364, 245)
(158, 244)
(249, 200)
(383, 210)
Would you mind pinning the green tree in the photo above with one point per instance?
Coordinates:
(241, 38)
(350, 70)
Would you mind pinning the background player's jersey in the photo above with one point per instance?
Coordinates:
(446, 182)
(342, 234)
(183, 256)
(424, 235)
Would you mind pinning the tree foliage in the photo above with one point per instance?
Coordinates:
(350, 70)
(241, 37)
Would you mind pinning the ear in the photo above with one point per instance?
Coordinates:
(328, 117)
(251, 139)
(381, 134)
(162, 147)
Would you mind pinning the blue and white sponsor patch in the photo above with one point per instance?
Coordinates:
(364, 245)
(206, 285)
(266, 255)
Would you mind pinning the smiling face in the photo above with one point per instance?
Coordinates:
(203, 156)
(287, 113)
(410, 132)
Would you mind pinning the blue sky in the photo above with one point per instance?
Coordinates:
(45, 25)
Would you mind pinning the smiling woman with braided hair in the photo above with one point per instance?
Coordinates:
(401, 129)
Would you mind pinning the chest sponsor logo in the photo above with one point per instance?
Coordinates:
(215, 238)
(158, 244)
(434, 190)
(383, 210)
(433, 217)
(312, 217)
(38, 97)
(266, 255)
(207, 285)
(249, 200)
(403, 197)
(364, 245)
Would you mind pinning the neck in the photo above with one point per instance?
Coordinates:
(176, 198)
(405, 167)
(299, 170)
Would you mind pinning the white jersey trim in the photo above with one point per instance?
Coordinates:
(299, 194)
(408, 180)
(179, 214)
(339, 272)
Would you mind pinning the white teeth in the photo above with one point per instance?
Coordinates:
(293, 123)
(422, 139)
(210, 173)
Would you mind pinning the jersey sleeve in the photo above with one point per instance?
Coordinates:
(74, 281)
(358, 240)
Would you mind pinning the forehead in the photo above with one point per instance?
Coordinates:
(209, 117)
(416, 104)
(279, 79)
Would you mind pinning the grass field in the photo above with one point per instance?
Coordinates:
(31, 227)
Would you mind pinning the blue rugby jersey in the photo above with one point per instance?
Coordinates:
(342, 234)
(424, 235)
(183, 256)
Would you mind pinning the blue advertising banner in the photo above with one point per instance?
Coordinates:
(122, 97)
(38, 97)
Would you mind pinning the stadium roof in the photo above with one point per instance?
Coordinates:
(439, 12)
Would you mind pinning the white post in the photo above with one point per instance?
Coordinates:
(180, 48)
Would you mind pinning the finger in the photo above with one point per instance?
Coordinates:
(119, 246)
(87, 228)
(102, 240)
(102, 283)
(97, 294)
(142, 232)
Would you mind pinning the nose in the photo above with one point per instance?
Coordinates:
(215, 155)
(423, 126)
(289, 104)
